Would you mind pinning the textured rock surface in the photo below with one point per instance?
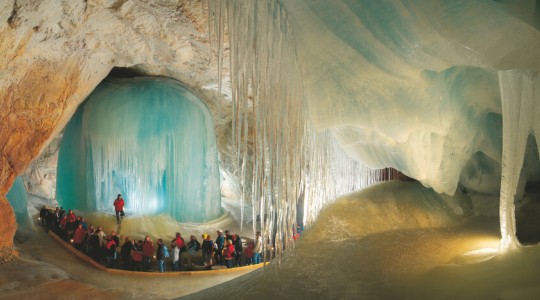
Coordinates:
(40, 176)
(56, 52)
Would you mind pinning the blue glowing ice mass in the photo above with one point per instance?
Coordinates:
(18, 199)
(151, 140)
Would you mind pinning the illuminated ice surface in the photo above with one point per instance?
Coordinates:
(17, 197)
(444, 91)
(394, 240)
(152, 141)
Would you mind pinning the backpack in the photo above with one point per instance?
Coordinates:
(165, 252)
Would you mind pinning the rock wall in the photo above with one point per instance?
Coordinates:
(56, 52)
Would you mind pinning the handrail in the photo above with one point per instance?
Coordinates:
(101, 267)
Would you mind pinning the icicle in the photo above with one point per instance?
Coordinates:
(280, 155)
(519, 91)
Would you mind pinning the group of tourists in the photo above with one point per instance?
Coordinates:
(227, 249)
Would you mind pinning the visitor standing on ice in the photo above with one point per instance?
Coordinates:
(119, 207)
(257, 249)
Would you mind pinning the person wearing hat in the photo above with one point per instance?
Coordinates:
(220, 242)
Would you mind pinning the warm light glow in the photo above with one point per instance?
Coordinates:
(483, 251)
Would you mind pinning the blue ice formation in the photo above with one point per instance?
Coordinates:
(151, 140)
(415, 85)
(18, 199)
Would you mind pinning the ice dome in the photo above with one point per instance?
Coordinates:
(150, 140)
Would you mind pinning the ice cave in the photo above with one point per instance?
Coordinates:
(402, 135)
(152, 141)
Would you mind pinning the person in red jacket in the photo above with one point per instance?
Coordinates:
(71, 217)
(78, 237)
(228, 253)
(180, 243)
(119, 207)
(111, 251)
(249, 253)
(147, 252)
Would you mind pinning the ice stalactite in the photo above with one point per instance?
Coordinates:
(330, 173)
(520, 95)
(280, 155)
(151, 140)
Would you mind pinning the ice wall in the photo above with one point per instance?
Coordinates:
(151, 140)
(18, 199)
(414, 85)
(284, 162)
(407, 84)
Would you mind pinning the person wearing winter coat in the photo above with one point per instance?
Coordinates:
(78, 237)
(257, 249)
(136, 256)
(126, 253)
(175, 257)
(220, 242)
(160, 255)
(119, 207)
(228, 253)
(207, 251)
(147, 252)
(193, 246)
(110, 252)
(237, 243)
(179, 241)
(249, 253)
(43, 216)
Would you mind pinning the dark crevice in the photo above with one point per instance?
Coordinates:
(119, 72)
(13, 16)
(528, 208)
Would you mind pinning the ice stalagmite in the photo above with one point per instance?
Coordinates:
(520, 96)
(152, 141)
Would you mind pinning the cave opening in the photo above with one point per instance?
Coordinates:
(150, 139)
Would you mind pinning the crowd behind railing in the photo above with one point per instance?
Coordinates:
(139, 255)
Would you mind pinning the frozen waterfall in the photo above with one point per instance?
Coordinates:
(151, 140)
(285, 163)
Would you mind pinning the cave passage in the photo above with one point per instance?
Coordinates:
(151, 140)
